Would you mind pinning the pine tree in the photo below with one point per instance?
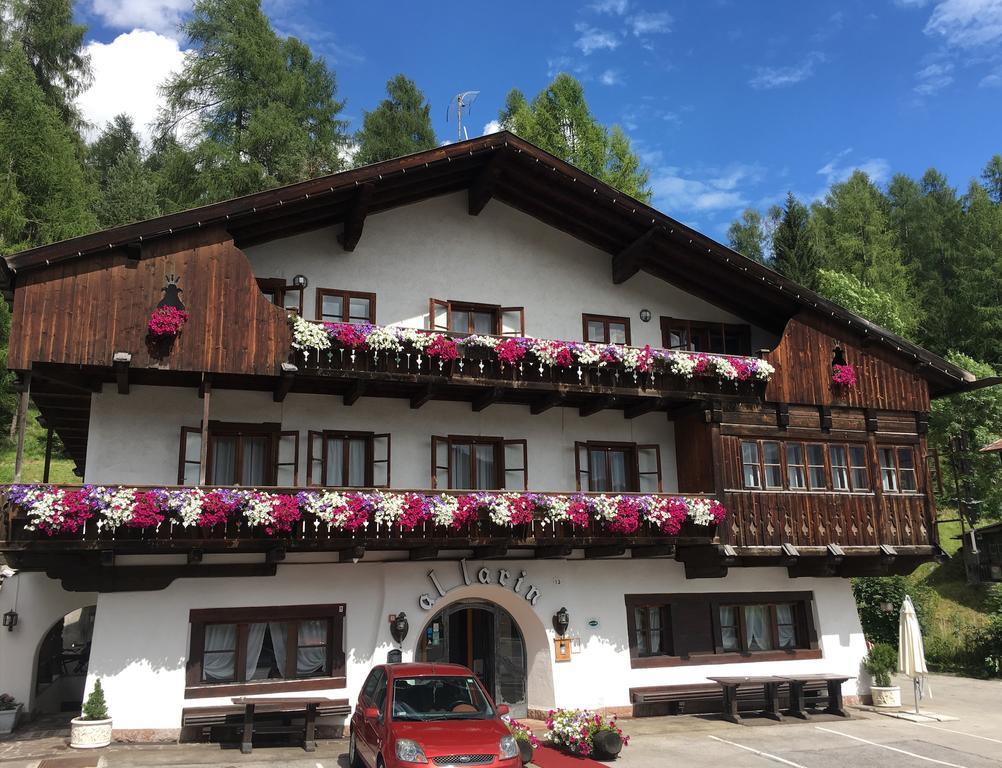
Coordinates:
(559, 121)
(128, 194)
(992, 176)
(400, 125)
(746, 236)
(96, 707)
(793, 252)
(118, 138)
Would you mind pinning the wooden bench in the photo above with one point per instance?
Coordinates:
(244, 714)
(706, 697)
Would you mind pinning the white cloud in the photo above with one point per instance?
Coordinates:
(966, 23)
(610, 77)
(780, 77)
(676, 190)
(592, 39)
(994, 80)
(933, 77)
(127, 72)
(836, 171)
(616, 7)
(649, 23)
(159, 15)
(492, 127)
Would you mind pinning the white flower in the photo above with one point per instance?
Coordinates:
(389, 507)
(723, 367)
(606, 506)
(681, 364)
(479, 341)
(590, 354)
(258, 509)
(764, 370)
(186, 505)
(699, 511)
(307, 335)
(384, 339)
(443, 509)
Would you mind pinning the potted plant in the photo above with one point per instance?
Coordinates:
(584, 733)
(880, 662)
(93, 728)
(526, 741)
(9, 710)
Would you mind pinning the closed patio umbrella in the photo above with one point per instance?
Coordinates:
(911, 652)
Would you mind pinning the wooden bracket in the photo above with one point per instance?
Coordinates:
(545, 403)
(553, 552)
(922, 422)
(599, 404)
(355, 220)
(423, 395)
(489, 397)
(871, 420)
(644, 406)
(351, 555)
(424, 553)
(826, 418)
(133, 251)
(627, 262)
(782, 415)
(286, 378)
(121, 362)
(484, 183)
(490, 551)
(355, 391)
(194, 556)
(604, 550)
(275, 555)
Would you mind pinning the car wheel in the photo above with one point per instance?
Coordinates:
(353, 759)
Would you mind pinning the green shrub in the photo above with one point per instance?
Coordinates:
(880, 662)
(871, 591)
(95, 708)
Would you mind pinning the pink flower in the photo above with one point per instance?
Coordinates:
(844, 375)
(627, 518)
(166, 322)
(217, 508)
(146, 511)
(511, 351)
(285, 512)
(348, 335)
(415, 511)
(443, 348)
(577, 510)
(467, 511)
(718, 512)
(744, 367)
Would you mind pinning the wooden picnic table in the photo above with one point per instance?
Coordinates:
(730, 686)
(834, 681)
(267, 704)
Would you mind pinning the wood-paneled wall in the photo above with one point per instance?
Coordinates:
(803, 361)
(82, 311)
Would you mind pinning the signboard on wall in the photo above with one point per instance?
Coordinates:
(501, 578)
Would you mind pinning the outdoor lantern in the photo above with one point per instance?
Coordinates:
(645, 315)
(887, 607)
(561, 620)
(10, 620)
(300, 281)
(399, 627)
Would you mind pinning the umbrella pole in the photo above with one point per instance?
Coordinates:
(917, 684)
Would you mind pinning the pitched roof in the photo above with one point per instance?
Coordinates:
(530, 179)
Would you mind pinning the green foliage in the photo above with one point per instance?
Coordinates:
(558, 120)
(747, 236)
(95, 708)
(872, 591)
(8, 399)
(881, 662)
(400, 125)
(848, 291)
(118, 138)
(129, 193)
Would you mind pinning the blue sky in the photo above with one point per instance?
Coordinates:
(730, 102)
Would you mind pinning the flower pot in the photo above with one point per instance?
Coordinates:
(8, 719)
(886, 697)
(525, 751)
(606, 745)
(90, 734)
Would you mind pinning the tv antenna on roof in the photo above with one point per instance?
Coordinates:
(461, 101)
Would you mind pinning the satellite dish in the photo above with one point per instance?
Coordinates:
(461, 101)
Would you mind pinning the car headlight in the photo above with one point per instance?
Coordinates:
(409, 751)
(509, 747)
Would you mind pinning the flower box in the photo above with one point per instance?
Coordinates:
(8, 718)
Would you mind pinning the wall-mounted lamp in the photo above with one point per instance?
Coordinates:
(300, 281)
(645, 315)
(561, 620)
(399, 627)
(10, 620)
(887, 607)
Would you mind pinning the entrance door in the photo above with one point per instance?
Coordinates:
(485, 638)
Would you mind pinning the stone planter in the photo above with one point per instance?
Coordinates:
(90, 734)
(525, 751)
(886, 697)
(8, 719)
(606, 745)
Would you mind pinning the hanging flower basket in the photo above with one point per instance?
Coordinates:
(166, 322)
(843, 376)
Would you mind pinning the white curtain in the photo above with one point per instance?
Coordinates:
(757, 630)
(356, 463)
(279, 634)
(485, 466)
(787, 628)
(219, 651)
(617, 465)
(255, 642)
(728, 628)
(224, 460)
(335, 461)
(253, 461)
(460, 466)
(597, 467)
(311, 660)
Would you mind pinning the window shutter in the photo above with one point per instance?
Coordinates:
(649, 468)
(381, 460)
(516, 465)
(439, 315)
(512, 321)
(581, 466)
(292, 299)
(189, 456)
(440, 462)
(286, 453)
(314, 458)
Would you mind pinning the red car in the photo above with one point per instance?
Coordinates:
(428, 714)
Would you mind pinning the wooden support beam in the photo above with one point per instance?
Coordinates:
(205, 390)
(48, 455)
(628, 262)
(121, 362)
(492, 395)
(355, 220)
(205, 385)
(653, 550)
(605, 550)
(545, 403)
(275, 555)
(484, 183)
(355, 391)
(490, 551)
(596, 405)
(286, 378)
(194, 556)
(24, 385)
(351, 555)
(553, 552)
(423, 395)
(78, 382)
(644, 406)
(424, 553)
(134, 251)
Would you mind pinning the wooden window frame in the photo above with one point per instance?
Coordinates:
(667, 631)
(605, 320)
(271, 430)
(743, 330)
(633, 465)
(894, 448)
(370, 456)
(335, 677)
(346, 297)
(279, 288)
(497, 310)
(803, 444)
(500, 465)
(808, 643)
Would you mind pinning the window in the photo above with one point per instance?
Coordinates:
(897, 469)
(700, 336)
(755, 627)
(481, 319)
(772, 463)
(240, 454)
(816, 472)
(603, 329)
(652, 631)
(749, 462)
(342, 459)
(618, 467)
(479, 463)
(814, 466)
(281, 295)
(285, 648)
(337, 306)
(795, 467)
(840, 467)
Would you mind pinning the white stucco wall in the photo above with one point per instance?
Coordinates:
(435, 249)
(141, 639)
(134, 438)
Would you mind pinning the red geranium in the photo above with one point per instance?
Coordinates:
(146, 511)
(285, 512)
(443, 348)
(166, 322)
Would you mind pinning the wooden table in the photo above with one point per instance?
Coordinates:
(730, 687)
(834, 682)
(291, 705)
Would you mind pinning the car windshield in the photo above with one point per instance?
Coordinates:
(439, 698)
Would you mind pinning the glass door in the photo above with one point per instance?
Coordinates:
(510, 672)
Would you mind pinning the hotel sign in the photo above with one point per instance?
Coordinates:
(501, 578)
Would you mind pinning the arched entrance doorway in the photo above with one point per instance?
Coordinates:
(484, 637)
(61, 663)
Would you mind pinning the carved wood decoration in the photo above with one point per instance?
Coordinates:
(82, 312)
(803, 361)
